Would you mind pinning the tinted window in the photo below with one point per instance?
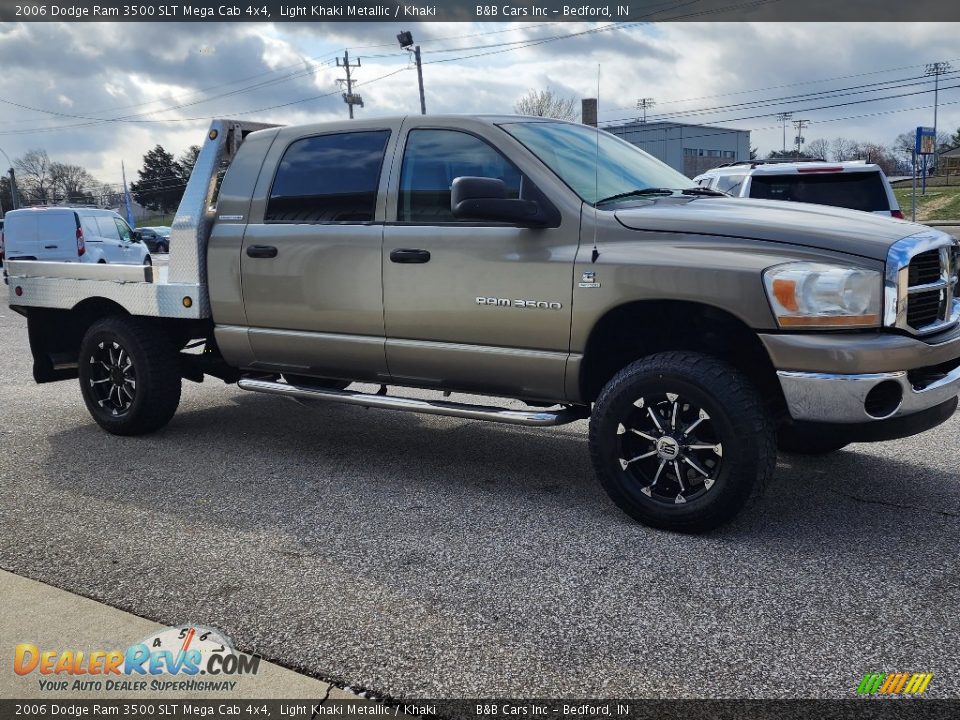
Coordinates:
(855, 190)
(106, 228)
(433, 159)
(329, 178)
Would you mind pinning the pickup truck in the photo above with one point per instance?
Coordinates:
(528, 259)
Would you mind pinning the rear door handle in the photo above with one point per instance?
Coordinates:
(261, 251)
(406, 256)
(50, 247)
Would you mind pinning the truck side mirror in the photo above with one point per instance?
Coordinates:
(482, 198)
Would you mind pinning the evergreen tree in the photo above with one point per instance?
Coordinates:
(161, 184)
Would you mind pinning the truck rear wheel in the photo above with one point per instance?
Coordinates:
(129, 376)
(681, 441)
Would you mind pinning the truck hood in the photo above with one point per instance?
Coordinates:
(813, 226)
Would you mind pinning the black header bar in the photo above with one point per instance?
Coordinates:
(872, 708)
(535, 11)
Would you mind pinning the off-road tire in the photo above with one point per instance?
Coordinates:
(155, 370)
(738, 422)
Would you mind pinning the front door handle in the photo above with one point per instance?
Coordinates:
(50, 247)
(261, 251)
(406, 256)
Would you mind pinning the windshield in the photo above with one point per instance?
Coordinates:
(571, 151)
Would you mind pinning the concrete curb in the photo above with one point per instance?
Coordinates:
(53, 619)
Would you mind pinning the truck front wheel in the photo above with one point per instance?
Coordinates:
(681, 440)
(129, 375)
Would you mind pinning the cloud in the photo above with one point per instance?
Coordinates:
(161, 76)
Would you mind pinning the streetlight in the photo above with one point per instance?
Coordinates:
(936, 69)
(405, 39)
(15, 200)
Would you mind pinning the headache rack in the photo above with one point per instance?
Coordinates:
(176, 291)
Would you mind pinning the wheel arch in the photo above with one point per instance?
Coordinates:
(636, 329)
(55, 336)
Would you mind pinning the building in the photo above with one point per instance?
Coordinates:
(691, 149)
(950, 161)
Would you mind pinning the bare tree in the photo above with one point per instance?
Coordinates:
(546, 103)
(819, 148)
(33, 171)
(844, 149)
(70, 183)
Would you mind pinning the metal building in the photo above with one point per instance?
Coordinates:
(691, 149)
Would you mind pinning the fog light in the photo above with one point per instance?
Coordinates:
(884, 399)
(18, 290)
(187, 301)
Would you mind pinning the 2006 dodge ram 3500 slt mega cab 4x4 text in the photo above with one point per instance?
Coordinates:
(529, 259)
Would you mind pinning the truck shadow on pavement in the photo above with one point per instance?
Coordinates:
(267, 461)
(440, 557)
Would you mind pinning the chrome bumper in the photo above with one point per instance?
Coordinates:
(829, 398)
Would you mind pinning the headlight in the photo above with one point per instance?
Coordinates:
(818, 295)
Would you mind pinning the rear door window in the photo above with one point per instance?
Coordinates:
(56, 225)
(853, 190)
(329, 179)
(21, 228)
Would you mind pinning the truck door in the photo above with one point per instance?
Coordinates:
(310, 264)
(472, 305)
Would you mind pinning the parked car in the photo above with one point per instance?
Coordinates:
(1, 241)
(64, 234)
(852, 185)
(157, 239)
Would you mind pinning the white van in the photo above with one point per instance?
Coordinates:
(63, 234)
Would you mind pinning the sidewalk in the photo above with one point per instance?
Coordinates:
(52, 619)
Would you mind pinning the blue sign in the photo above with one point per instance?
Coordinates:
(926, 141)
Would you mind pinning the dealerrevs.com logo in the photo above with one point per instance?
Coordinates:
(179, 659)
(896, 683)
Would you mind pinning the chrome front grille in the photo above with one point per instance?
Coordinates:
(923, 283)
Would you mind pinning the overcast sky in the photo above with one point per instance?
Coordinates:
(96, 94)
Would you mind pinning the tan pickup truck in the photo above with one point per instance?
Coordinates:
(521, 258)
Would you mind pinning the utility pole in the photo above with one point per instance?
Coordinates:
(936, 69)
(14, 195)
(783, 117)
(798, 124)
(348, 97)
(643, 104)
(405, 38)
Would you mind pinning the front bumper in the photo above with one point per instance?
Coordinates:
(834, 398)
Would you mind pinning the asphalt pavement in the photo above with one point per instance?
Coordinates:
(423, 557)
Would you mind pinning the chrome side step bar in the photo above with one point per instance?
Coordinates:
(534, 418)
